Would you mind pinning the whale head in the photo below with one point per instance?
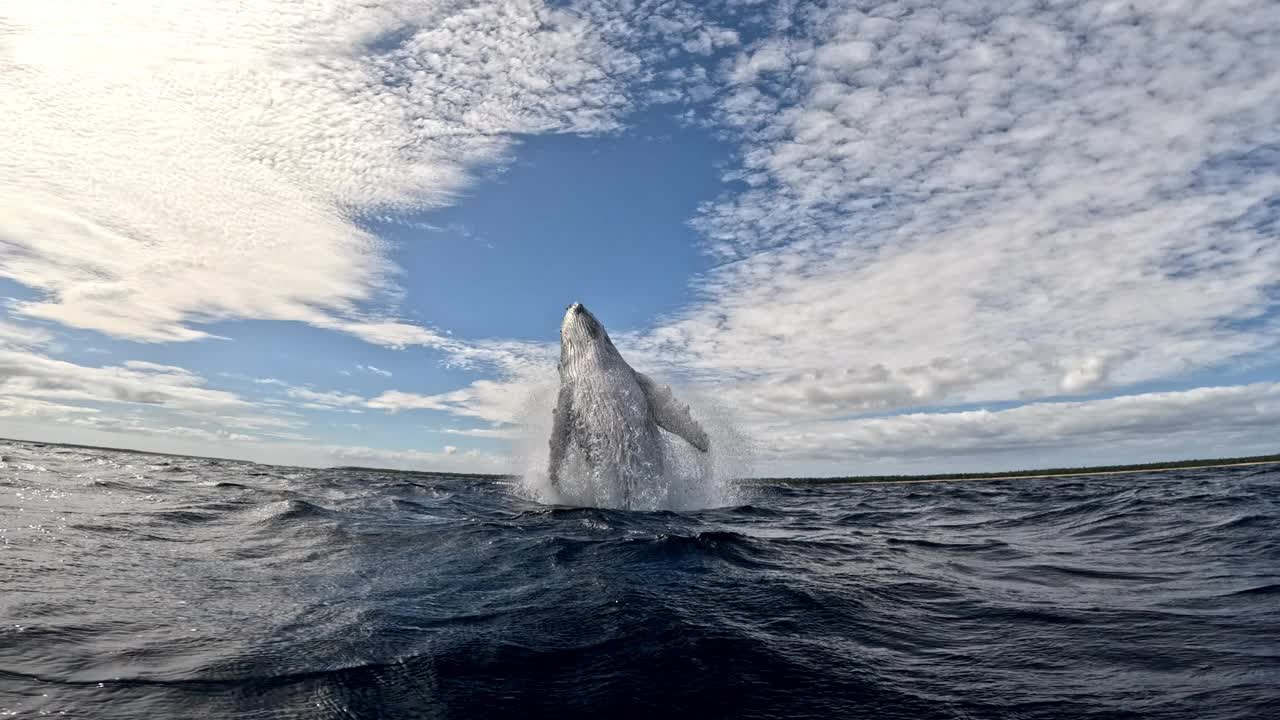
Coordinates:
(583, 336)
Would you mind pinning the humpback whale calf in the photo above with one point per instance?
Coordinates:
(610, 413)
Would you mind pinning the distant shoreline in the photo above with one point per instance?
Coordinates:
(1057, 475)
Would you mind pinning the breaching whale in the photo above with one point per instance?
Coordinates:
(611, 413)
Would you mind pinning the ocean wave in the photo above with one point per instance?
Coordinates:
(137, 587)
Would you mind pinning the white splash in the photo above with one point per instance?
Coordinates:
(691, 480)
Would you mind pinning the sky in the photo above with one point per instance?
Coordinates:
(869, 237)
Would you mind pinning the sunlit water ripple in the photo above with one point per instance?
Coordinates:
(136, 586)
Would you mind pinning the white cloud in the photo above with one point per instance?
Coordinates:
(17, 336)
(35, 420)
(32, 409)
(499, 402)
(940, 205)
(1209, 421)
(35, 376)
(375, 370)
(506, 432)
(30, 413)
(138, 397)
(388, 333)
(932, 204)
(216, 164)
(317, 399)
(173, 373)
(521, 369)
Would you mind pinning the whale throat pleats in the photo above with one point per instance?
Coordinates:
(562, 422)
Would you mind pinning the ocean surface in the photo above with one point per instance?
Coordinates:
(142, 586)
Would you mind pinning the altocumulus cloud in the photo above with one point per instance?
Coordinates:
(955, 202)
(166, 166)
(1196, 421)
(932, 204)
(270, 129)
(136, 397)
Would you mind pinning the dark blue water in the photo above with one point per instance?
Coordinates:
(135, 586)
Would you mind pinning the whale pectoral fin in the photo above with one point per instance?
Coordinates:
(673, 415)
(560, 424)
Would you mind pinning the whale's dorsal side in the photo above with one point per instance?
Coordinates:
(671, 414)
